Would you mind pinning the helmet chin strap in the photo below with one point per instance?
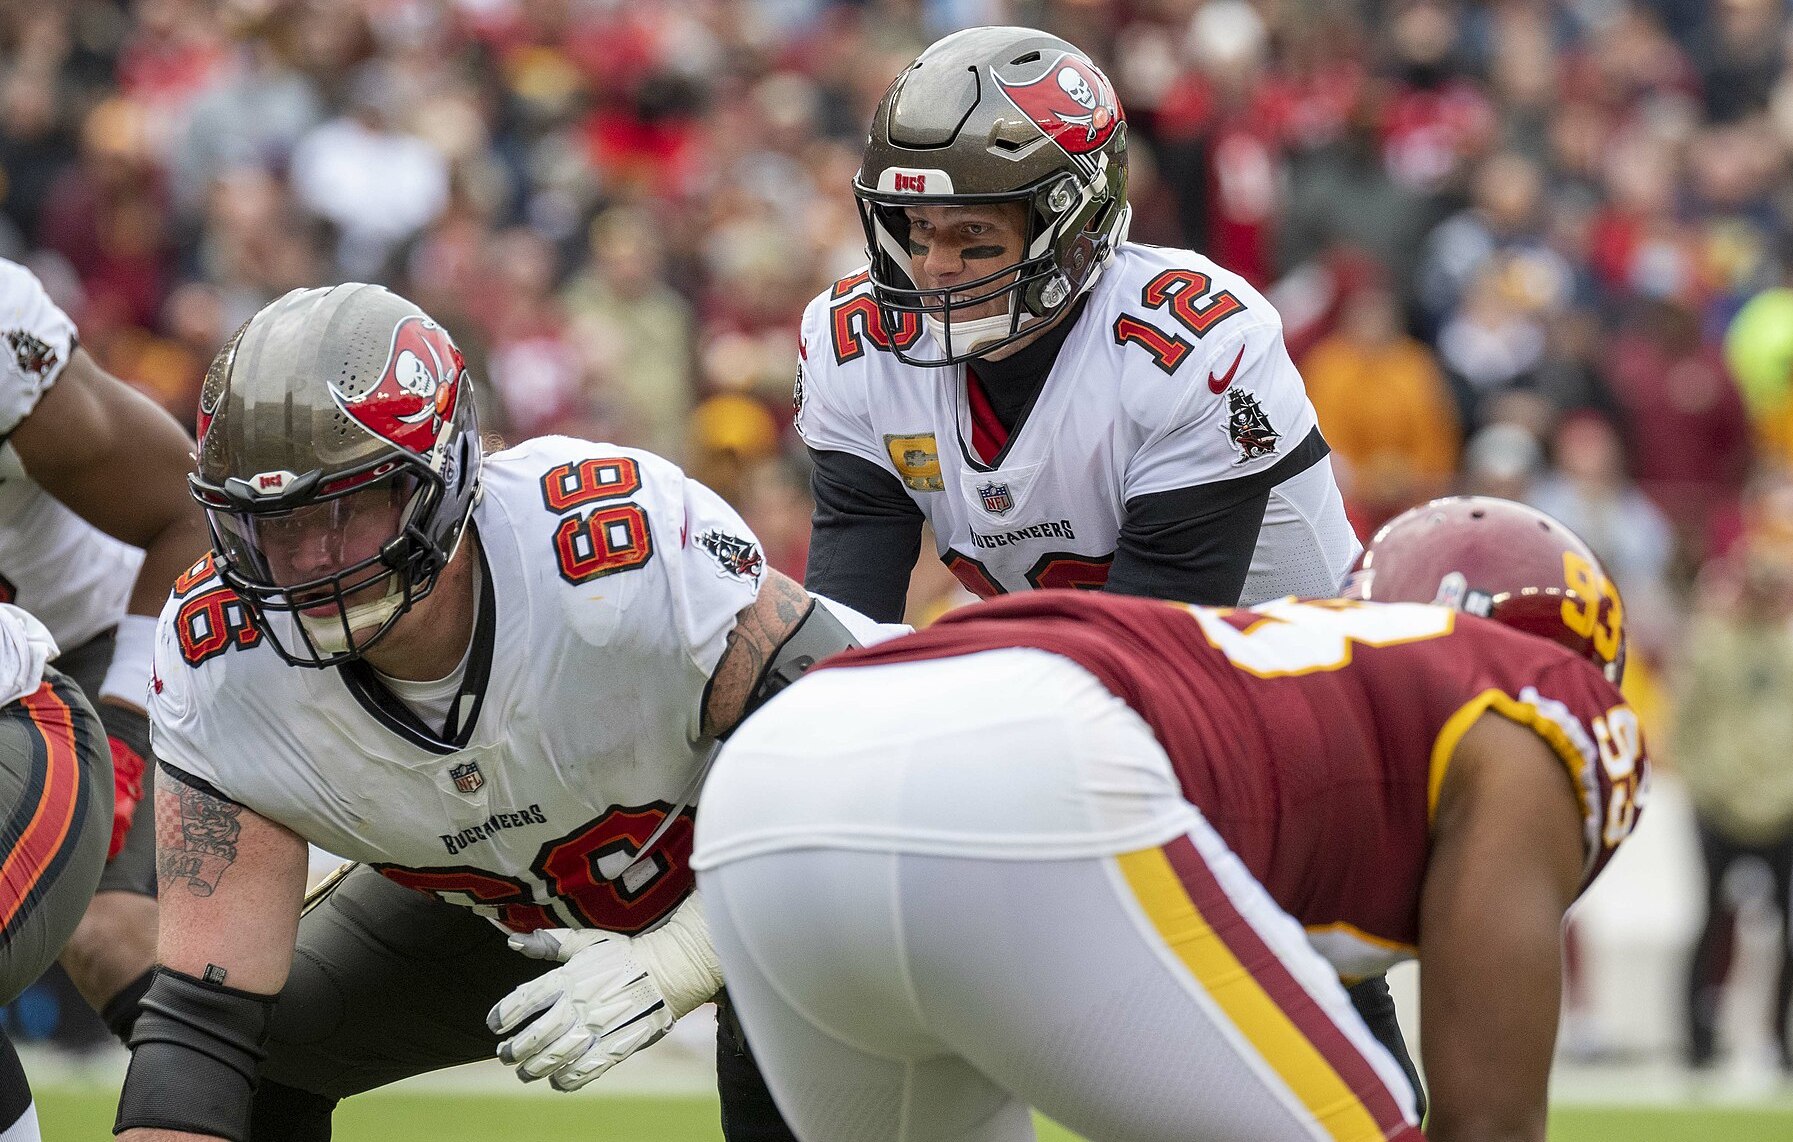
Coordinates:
(331, 635)
(969, 335)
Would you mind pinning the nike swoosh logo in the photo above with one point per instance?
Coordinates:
(1217, 385)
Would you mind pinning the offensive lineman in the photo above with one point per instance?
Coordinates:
(1087, 412)
(1061, 850)
(513, 668)
(94, 565)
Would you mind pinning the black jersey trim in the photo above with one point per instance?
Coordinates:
(363, 682)
(1220, 493)
(195, 781)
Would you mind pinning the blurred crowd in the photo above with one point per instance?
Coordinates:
(1536, 248)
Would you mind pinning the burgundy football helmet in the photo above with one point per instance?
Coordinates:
(1503, 561)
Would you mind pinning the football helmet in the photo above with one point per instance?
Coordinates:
(994, 115)
(338, 464)
(1501, 560)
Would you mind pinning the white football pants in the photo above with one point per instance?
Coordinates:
(945, 891)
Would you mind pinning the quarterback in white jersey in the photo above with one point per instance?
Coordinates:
(1065, 408)
(1172, 376)
(95, 523)
(493, 681)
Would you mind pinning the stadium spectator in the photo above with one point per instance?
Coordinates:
(1386, 411)
(635, 329)
(1736, 716)
(1590, 492)
(375, 183)
(1690, 439)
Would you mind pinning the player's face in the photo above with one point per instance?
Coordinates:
(325, 539)
(949, 245)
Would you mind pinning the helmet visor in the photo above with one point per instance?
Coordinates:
(335, 542)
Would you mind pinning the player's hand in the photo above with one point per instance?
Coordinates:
(582, 1018)
(611, 996)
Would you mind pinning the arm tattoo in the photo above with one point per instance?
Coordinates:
(760, 629)
(198, 841)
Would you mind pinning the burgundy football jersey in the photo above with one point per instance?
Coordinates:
(1314, 735)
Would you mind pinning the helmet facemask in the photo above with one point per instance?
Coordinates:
(1068, 233)
(327, 574)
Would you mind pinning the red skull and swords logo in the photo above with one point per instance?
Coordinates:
(417, 389)
(1072, 102)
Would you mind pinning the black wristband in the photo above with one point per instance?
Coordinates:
(194, 1052)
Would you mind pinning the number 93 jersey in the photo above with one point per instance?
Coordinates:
(68, 573)
(1174, 376)
(1314, 736)
(609, 584)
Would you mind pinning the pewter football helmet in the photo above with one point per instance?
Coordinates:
(338, 454)
(993, 115)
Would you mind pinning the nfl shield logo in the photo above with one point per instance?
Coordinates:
(467, 778)
(997, 500)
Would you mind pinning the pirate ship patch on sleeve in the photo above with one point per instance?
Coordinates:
(1248, 427)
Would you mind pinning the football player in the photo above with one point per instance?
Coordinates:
(1111, 857)
(1065, 408)
(493, 681)
(56, 784)
(95, 524)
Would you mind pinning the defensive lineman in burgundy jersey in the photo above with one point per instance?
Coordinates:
(1065, 408)
(1080, 848)
(494, 681)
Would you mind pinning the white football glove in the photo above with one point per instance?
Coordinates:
(612, 996)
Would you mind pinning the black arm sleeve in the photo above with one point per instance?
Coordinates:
(865, 537)
(1195, 544)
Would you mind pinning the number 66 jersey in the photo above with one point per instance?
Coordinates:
(608, 585)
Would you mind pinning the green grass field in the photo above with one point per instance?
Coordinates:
(68, 1116)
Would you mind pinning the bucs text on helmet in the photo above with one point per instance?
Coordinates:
(339, 459)
(995, 115)
(1501, 560)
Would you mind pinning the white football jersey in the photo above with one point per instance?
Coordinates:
(1174, 376)
(74, 577)
(614, 582)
